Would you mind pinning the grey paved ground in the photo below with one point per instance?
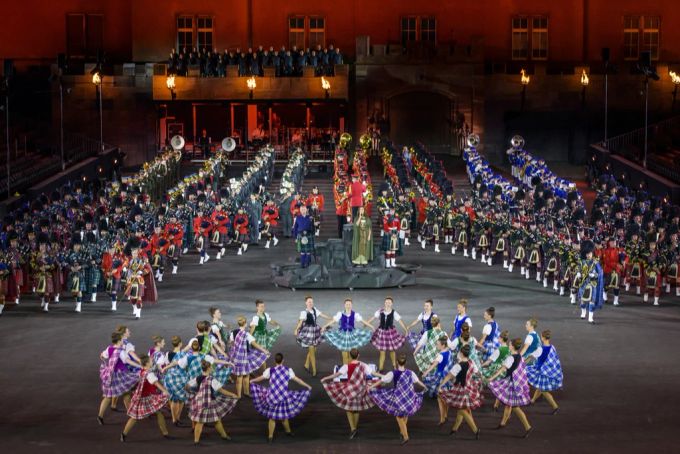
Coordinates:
(621, 375)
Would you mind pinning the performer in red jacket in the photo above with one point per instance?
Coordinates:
(612, 258)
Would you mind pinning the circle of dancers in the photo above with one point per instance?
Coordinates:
(222, 365)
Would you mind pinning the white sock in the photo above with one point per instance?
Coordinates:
(645, 298)
(590, 317)
(46, 307)
(616, 300)
(78, 304)
(94, 297)
(561, 290)
(453, 250)
(201, 261)
(222, 250)
(465, 252)
(266, 245)
(114, 303)
(436, 248)
(240, 251)
(510, 268)
(555, 285)
(583, 312)
(160, 277)
(656, 300)
(174, 269)
(56, 298)
(207, 257)
(42, 302)
(245, 247)
(505, 264)
(637, 291)
(572, 298)
(545, 282)
(276, 241)
(2, 306)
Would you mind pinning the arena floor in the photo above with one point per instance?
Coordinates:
(620, 376)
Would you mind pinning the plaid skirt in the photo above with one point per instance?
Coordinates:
(347, 340)
(434, 379)
(348, 401)
(175, 381)
(511, 392)
(468, 396)
(397, 401)
(245, 363)
(268, 338)
(543, 381)
(305, 248)
(212, 409)
(490, 370)
(120, 381)
(288, 407)
(143, 407)
(387, 339)
(309, 336)
(413, 339)
(92, 276)
(429, 351)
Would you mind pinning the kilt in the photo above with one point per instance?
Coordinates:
(468, 396)
(387, 247)
(462, 237)
(44, 284)
(206, 408)
(92, 277)
(277, 401)
(309, 336)
(4, 286)
(387, 339)
(245, 360)
(351, 395)
(519, 253)
(500, 245)
(144, 406)
(547, 376)
(116, 382)
(553, 265)
(482, 241)
(347, 340)
(401, 400)
(77, 282)
(305, 247)
(267, 338)
(429, 351)
(512, 391)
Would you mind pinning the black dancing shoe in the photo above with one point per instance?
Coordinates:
(123, 437)
(526, 434)
(270, 440)
(100, 420)
(404, 441)
(477, 434)
(554, 412)
(453, 433)
(353, 434)
(226, 438)
(290, 434)
(500, 426)
(168, 437)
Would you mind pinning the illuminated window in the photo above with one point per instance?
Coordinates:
(650, 35)
(185, 32)
(205, 32)
(539, 38)
(296, 31)
(520, 38)
(409, 32)
(428, 29)
(317, 32)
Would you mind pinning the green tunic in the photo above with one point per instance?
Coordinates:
(264, 336)
(362, 241)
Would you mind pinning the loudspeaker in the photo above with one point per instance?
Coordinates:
(8, 68)
(605, 54)
(645, 60)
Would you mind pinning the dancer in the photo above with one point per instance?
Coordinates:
(175, 378)
(401, 400)
(146, 400)
(511, 386)
(246, 355)
(308, 333)
(159, 359)
(348, 336)
(546, 373)
(531, 348)
(352, 395)
(464, 339)
(218, 328)
(465, 394)
(116, 378)
(386, 338)
(277, 402)
(426, 349)
(489, 341)
(461, 318)
(442, 364)
(209, 402)
(495, 361)
(258, 327)
(425, 318)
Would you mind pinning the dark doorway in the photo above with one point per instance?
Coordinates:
(421, 116)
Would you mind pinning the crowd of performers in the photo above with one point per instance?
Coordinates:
(541, 228)
(211, 372)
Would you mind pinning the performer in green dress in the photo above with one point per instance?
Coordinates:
(258, 327)
(362, 239)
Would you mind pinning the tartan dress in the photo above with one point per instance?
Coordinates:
(546, 373)
(206, 405)
(246, 360)
(413, 338)
(468, 395)
(219, 372)
(491, 369)
(351, 395)
(492, 341)
(513, 389)
(146, 399)
(115, 376)
(386, 337)
(434, 378)
(429, 351)
(176, 378)
(264, 336)
(310, 332)
(400, 400)
(348, 336)
(277, 401)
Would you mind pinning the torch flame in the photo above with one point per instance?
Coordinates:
(525, 79)
(584, 78)
(325, 84)
(170, 82)
(251, 82)
(96, 78)
(675, 77)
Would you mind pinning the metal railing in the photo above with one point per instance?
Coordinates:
(637, 136)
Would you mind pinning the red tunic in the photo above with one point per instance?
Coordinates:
(316, 198)
(610, 259)
(176, 237)
(270, 214)
(220, 221)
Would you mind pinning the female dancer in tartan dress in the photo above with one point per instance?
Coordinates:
(461, 318)
(426, 350)
(146, 400)
(490, 334)
(386, 338)
(425, 318)
(442, 364)
(159, 359)
(495, 361)
(308, 333)
(258, 327)
(466, 339)
(277, 402)
(175, 379)
(117, 379)
(352, 394)
(221, 368)
(401, 400)
(246, 355)
(511, 386)
(465, 394)
(348, 336)
(209, 402)
(546, 373)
